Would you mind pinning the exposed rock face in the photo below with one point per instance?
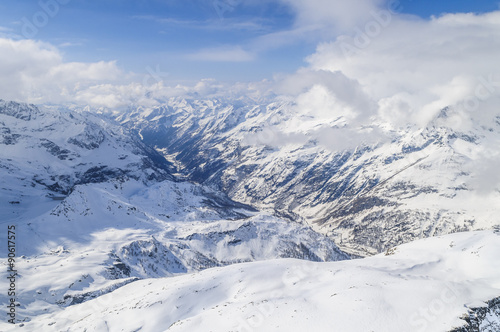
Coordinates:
(482, 319)
(19, 111)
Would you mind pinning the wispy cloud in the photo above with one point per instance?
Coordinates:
(223, 54)
(335, 15)
(70, 44)
(255, 24)
(315, 21)
(166, 20)
(7, 33)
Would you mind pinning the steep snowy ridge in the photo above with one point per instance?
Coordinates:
(369, 195)
(423, 286)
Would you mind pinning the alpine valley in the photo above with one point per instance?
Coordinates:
(246, 215)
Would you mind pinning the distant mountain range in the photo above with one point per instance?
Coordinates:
(367, 188)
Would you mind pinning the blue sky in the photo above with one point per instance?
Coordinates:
(183, 40)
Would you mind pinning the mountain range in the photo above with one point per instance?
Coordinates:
(368, 188)
(176, 216)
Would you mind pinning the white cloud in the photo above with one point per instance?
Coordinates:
(386, 68)
(402, 72)
(485, 176)
(36, 72)
(414, 68)
(344, 89)
(69, 44)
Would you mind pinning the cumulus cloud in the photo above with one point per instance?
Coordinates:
(413, 68)
(35, 72)
(387, 70)
(346, 92)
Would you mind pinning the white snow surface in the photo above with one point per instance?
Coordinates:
(103, 236)
(426, 285)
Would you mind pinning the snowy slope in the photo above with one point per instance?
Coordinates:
(103, 236)
(423, 286)
(368, 188)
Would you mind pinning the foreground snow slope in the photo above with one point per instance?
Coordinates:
(422, 286)
(106, 235)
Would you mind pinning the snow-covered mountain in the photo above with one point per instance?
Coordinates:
(44, 153)
(150, 220)
(369, 188)
(433, 284)
(95, 209)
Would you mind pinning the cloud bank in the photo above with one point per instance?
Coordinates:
(413, 68)
(35, 72)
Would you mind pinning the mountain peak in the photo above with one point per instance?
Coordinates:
(20, 111)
